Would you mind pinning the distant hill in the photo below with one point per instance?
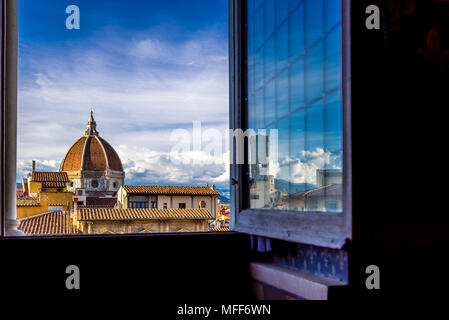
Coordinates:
(223, 199)
(291, 187)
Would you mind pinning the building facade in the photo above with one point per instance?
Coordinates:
(118, 221)
(43, 192)
(168, 197)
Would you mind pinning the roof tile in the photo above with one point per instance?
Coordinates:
(46, 223)
(48, 177)
(142, 214)
(170, 190)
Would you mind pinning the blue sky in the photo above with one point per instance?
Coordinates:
(145, 67)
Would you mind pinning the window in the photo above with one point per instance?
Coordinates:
(89, 66)
(138, 204)
(182, 206)
(202, 204)
(291, 96)
(80, 192)
(296, 68)
(165, 206)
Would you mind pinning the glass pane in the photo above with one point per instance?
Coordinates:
(281, 11)
(282, 94)
(270, 16)
(313, 21)
(270, 102)
(302, 107)
(296, 33)
(314, 72)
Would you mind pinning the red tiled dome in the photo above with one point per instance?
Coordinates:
(91, 152)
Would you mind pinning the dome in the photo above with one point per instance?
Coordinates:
(91, 153)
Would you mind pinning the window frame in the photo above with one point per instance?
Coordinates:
(325, 229)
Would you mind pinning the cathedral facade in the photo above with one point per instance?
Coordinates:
(92, 164)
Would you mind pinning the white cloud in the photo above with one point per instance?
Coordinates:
(303, 170)
(144, 165)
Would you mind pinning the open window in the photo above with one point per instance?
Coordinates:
(290, 95)
(93, 95)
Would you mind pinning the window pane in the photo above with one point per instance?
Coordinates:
(296, 33)
(302, 112)
(314, 73)
(314, 21)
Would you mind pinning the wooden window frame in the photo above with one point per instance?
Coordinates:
(325, 229)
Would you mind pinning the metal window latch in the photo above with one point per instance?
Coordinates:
(234, 182)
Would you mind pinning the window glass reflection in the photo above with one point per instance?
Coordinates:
(294, 74)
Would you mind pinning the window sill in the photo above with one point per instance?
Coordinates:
(330, 230)
(298, 283)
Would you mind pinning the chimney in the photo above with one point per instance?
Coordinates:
(75, 214)
(25, 187)
(33, 166)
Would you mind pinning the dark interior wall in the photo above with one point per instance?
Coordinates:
(165, 268)
(400, 96)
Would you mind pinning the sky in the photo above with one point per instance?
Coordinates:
(145, 68)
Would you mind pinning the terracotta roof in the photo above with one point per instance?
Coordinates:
(96, 194)
(46, 223)
(54, 184)
(105, 202)
(91, 153)
(94, 156)
(49, 177)
(142, 214)
(113, 158)
(225, 229)
(198, 191)
(74, 156)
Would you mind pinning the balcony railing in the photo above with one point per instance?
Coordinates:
(27, 201)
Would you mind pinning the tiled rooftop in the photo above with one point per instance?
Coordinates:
(90, 214)
(104, 202)
(167, 190)
(54, 184)
(98, 155)
(74, 156)
(48, 177)
(46, 223)
(225, 229)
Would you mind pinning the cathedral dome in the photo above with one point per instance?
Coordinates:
(91, 153)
